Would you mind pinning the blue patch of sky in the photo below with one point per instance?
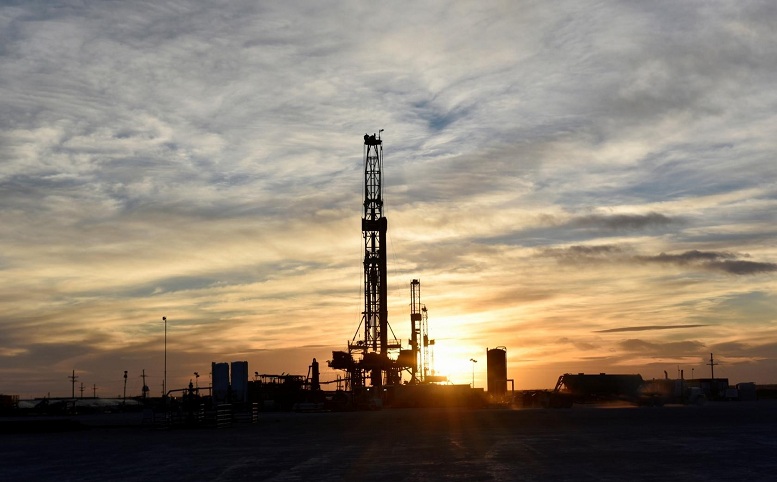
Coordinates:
(438, 119)
(668, 181)
(581, 230)
(43, 183)
(240, 276)
(546, 236)
(757, 306)
(741, 240)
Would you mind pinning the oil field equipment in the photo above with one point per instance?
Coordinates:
(496, 371)
(368, 351)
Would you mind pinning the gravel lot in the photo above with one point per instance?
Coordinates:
(717, 441)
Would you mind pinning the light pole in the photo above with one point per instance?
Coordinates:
(197, 380)
(164, 383)
(473, 371)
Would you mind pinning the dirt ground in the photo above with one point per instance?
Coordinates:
(717, 441)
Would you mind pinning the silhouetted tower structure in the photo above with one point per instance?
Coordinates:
(712, 364)
(375, 344)
(425, 342)
(416, 331)
(73, 379)
(419, 338)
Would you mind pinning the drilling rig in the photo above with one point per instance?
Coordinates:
(368, 352)
(374, 373)
(419, 338)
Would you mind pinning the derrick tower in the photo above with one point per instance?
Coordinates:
(425, 342)
(419, 334)
(416, 331)
(374, 345)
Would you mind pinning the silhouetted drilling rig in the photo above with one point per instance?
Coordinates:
(419, 334)
(375, 359)
(367, 359)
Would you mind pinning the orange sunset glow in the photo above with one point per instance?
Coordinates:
(591, 186)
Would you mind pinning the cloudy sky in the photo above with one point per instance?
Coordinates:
(591, 184)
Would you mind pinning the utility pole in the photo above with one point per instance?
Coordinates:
(145, 387)
(164, 383)
(94, 391)
(712, 367)
(82, 389)
(124, 401)
(73, 379)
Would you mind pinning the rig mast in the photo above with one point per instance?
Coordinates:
(427, 360)
(374, 227)
(416, 331)
(375, 345)
(419, 329)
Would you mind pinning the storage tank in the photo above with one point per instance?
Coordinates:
(240, 381)
(496, 370)
(220, 372)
